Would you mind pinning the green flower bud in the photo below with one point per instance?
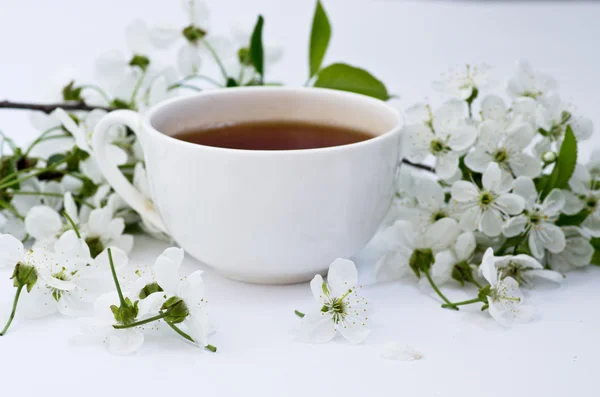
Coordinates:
(421, 261)
(127, 313)
(549, 157)
(193, 33)
(244, 56)
(121, 104)
(462, 272)
(177, 310)
(71, 93)
(149, 289)
(24, 276)
(141, 61)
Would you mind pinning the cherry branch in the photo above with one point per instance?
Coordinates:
(417, 165)
(48, 108)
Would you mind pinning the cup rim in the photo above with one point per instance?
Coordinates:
(229, 91)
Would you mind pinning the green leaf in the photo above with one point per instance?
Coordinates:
(596, 257)
(55, 158)
(565, 164)
(319, 39)
(343, 77)
(572, 220)
(257, 55)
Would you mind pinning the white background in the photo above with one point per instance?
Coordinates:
(407, 45)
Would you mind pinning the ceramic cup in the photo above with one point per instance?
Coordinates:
(271, 217)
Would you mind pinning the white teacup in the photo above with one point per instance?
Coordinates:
(262, 216)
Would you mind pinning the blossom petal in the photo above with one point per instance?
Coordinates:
(191, 289)
(478, 160)
(493, 108)
(99, 221)
(464, 191)
(492, 177)
(392, 266)
(316, 287)
(71, 207)
(491, 222)
(526, 261)
(463, 137)
(316, 327)
(167, 274)
(101, 262)
(429, 194)
(342, 276)
(124, 341)
(11, 250)
(469, 219)
(552, 237)
(500, 313)
(524, 187)
(43, 222)
(418, 141)
(491, 133)
(400, 352)
(465, 246)
(164, 35)
(592, 224)
(573, 204)
(53, 282)
(546, 274)
(354, 330)
(554, 202)
(441, 271)
(198, 327)
(137, 36)
(580, 180)
(488, 267)
(449, 115)
(515, 226)
(441, 234)
(523, 164)
(189, 59)
(446, 165)
(73, 250)
(510, 203)
(535, 244)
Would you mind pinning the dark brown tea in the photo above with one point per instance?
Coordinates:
(273, 135)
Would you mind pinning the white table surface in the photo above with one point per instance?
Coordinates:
(407, 45)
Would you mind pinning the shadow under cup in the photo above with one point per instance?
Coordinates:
(271, 216)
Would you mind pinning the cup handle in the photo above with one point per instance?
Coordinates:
(111, 172)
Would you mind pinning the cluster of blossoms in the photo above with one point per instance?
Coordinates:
(67, 233)
(505, 184)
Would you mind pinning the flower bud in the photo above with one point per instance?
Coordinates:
(141, 61)
(24, 275)
(549, 157)
(421, 261)
(176, 308)
(127, 313)
(193, 33)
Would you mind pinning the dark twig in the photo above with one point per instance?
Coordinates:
(47, 108)
(417, 165)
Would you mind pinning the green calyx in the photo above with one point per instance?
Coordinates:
(193, 33)
(141, 61)
(126, 313)
(244, 56)
(421, 261)
(24, 276)
(484, 293)
(591, 203)
(95, 245)
(176, 310)
(473, 96)
(71, 93)
(121, 104)
(149, 289)
(462, 272)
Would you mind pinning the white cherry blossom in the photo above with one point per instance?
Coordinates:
(460, 252)
(525, 269)
(486, 208)
(403, 238)
(528, 83)
(460, 84)
(339, 307)
(537, 222)
(506, 299)
(583, 195)
(578, 251)
(445, 136)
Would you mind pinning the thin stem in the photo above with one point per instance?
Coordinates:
(48, 108)
(211, 348)
(141, 322)
(14, 310)
(16, 181)
(137, 88)
(73, 225)
(40, 138)
(79, 200)
(417, 165)
(467, 302)
(180, 332)
(98, 90)
(436, 289)
(200, 77)
(476, 283)
(189, 87)
(116, 280)
(216, 57)
(299, 314)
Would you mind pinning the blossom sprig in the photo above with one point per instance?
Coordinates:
(513, 188)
